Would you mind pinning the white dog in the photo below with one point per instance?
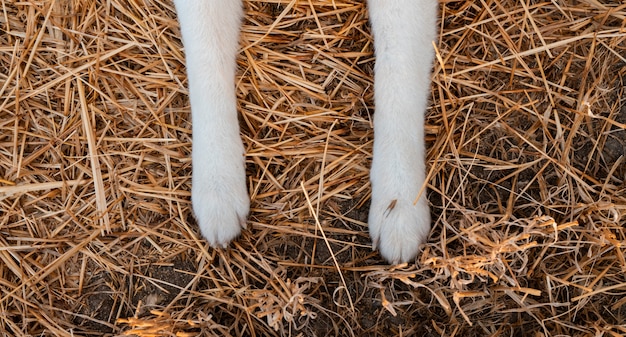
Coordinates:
(403, 31)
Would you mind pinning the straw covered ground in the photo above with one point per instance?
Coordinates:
(526, 157)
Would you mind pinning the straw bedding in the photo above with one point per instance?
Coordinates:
(526, 164)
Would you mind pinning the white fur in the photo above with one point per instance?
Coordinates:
(210, 30)
(403, 31)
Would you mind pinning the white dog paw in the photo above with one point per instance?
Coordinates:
(220, 207)
(398, 227)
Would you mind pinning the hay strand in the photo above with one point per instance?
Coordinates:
(526, 175)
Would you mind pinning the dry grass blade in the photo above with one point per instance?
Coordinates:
(527, 175)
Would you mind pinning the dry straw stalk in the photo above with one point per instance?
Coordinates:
(527, 175)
